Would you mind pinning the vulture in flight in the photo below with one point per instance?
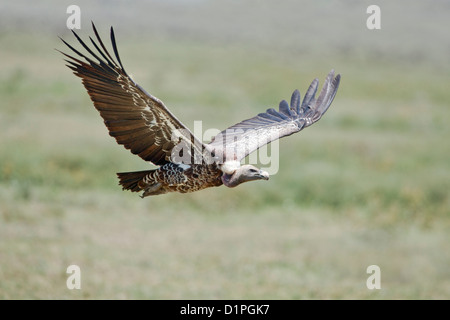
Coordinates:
(143, 124)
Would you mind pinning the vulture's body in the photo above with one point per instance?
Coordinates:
(172, 177)
(142, 123)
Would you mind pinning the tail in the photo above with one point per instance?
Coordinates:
(130, 180)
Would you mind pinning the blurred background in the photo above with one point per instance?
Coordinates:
(367, 185)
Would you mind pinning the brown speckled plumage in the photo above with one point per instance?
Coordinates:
(173, 177)
(145, 126)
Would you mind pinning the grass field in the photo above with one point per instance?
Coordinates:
(366, 185)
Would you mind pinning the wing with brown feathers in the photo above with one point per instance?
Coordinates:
(241, 139)
(137, 120)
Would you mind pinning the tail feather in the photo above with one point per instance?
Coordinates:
(130, 180)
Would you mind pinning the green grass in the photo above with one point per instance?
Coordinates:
(366, 185)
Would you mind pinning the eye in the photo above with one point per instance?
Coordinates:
(253, 170)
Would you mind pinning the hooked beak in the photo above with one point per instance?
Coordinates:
(263, 175)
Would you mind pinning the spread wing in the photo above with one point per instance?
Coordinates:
(136, 119)
(241, 139)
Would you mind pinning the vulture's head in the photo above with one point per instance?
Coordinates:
(243, 174)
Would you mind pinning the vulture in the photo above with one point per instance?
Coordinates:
(144, 125)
